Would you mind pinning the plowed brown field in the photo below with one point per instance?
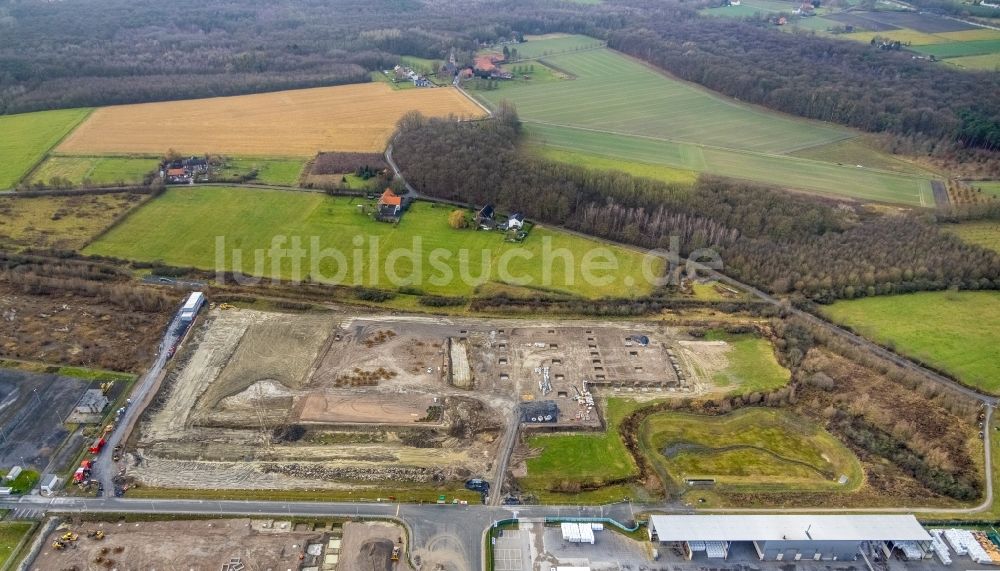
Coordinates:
(286, 123)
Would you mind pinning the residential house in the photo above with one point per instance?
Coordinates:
(516, 221)
(390, 207)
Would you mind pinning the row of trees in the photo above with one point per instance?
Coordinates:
(780, 242)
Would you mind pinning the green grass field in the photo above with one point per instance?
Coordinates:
(98, 171)
(669, 123)
(249, 219)
(565, 461)
(656, 106)
(959, 49)
(982, 233)
(853, 152)
(990, 187)
(783, 171)
(11, 534)
(751, 448)
(752, 364)
(279, 172)
(598, 162)
(985, 62)
(953, 331)
(27, 137)
(543, 46)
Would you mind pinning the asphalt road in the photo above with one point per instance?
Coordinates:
(105, 467)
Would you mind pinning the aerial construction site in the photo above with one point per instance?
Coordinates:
(343, 402)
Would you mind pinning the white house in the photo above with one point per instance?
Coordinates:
(516, 221)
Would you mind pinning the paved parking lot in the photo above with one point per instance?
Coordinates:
(512, 552)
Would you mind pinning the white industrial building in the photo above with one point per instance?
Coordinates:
(791, 537)
(192, 306)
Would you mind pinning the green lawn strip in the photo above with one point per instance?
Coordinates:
(99, 171)
(28, 136)
(752, 365)
(656, 106)
(567, 461)
(826, 178)
(12, 533)
(23, 483)
(754, 447)
(251, 219)
(947, 330)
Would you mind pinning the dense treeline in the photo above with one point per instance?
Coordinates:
(777, 241)
(141, 50)
(929, 106)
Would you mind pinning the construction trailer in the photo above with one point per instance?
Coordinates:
(787, 537)
(12, 474)
(50, 484)
(192, 306)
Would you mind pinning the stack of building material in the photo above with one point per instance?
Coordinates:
(964, 542)
(578, 533)
(910, 550)
(940, 547)
(956, 539)
(715, 549)
(988, 547)
(696, 545)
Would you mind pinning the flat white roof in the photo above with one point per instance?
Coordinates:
(193, 300)
(790, 527)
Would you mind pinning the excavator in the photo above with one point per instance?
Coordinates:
(58, 545)
(98, 535)
(69, 536)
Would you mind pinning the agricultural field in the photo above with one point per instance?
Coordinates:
(95, 171)
(751, 448)
(990, 187)
(856, 152)
(985, 62)
(820, 177)
(551, 44)
(983, 233)
(656, 105)
(285, 124)
(957, 43)
(604, 163)
(28, 137)
(671, 124)
(279, 172)
(63, 222)
(249, 219)
(750, 364)
(944, 329)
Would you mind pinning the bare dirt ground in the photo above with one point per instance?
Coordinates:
(367, 546)
(74, 330)
(334, 401)
(174, 545)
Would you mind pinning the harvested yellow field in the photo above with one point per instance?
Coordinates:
(904, 35)
(971, 35)
(286, 123)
